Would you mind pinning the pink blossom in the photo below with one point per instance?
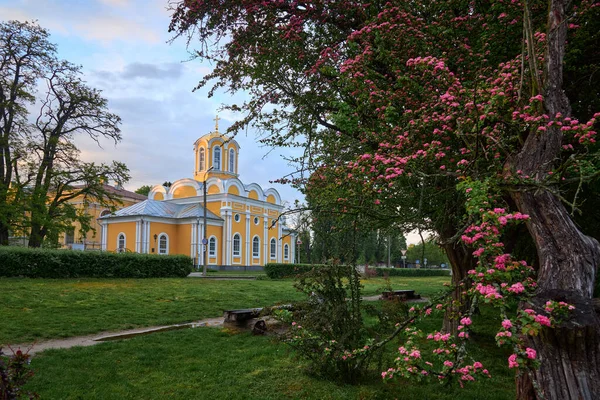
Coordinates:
(543, 320)
(516, 288)
(507, 324)
(512, 361)
(531, 353)
(466, 321)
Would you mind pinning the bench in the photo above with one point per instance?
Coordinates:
(246, 318)
(400, 294)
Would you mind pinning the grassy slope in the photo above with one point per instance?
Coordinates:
(37, 309)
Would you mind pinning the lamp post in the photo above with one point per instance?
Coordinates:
(205, 240)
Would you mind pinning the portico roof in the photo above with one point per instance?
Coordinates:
(164, 209)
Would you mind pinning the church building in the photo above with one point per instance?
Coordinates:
(244, 227)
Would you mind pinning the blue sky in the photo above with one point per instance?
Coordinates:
(122, 47)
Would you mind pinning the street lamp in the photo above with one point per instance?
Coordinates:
(205, 240)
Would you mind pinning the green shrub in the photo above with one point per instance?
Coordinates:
(327, 329)
(280, 270)
(412, 272)
(45, 263)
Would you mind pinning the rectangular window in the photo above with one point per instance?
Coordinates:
(273, 249)
(212, 247)
(256, 248)
(236, 245)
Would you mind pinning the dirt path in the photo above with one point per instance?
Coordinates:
(91, 340)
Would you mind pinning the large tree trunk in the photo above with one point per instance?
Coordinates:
(461, 261)
(568, 260)
(569, 354)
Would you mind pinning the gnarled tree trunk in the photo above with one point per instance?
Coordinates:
(461, 261)
(568, 260)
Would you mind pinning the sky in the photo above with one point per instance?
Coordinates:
(124, 50)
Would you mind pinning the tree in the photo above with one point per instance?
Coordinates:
(46, 173)
(143, 190)
(432, 252)
(419, 96)
(24, 53)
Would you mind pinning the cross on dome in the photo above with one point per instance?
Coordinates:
(217, 123)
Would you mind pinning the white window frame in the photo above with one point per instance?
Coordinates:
(212, 253)
(238, 253)
(286, 252)
(120, 248)
(166, 237)
(256, 254)
(231, 160)
(273, 248)
(217, 165)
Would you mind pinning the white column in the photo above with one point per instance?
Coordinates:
(279, 243)
(248, 261)
(193, 240)
(142, 235)
(199, 245)
(293, 248)
(228, 222)
(138, 235)
(266, 243)
(104, 234)
(147, 238)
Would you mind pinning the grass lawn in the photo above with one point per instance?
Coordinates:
(211, 363)
(37, 309)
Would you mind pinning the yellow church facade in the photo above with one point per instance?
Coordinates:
(244, 223)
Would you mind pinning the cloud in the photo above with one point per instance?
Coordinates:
(107, 28)
(118, 3)
(152, 71)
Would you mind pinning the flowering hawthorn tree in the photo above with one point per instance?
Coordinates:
(470, 94)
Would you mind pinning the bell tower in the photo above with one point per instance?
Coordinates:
(216, 155)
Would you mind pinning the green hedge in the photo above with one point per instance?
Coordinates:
(411, 272)
(280, 270)
(44, 263)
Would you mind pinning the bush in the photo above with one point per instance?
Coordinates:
(327, 329)
(411, 272)
(45, 263)
(280, 270)
(14, 373)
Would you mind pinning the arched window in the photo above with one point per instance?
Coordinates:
(201, 160)
(212, 247)
(237, 244)
(273, 248)
(286, 252)
(231, 160)
(163, 244)
(217, 158)
(256, 247)
(121, 243)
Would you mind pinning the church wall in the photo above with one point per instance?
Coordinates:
(216, 231)
(128, 228)
(239, 227)
(214, 207)
(184, 239)
(156, 228)
(287, 240)
(184, 191)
